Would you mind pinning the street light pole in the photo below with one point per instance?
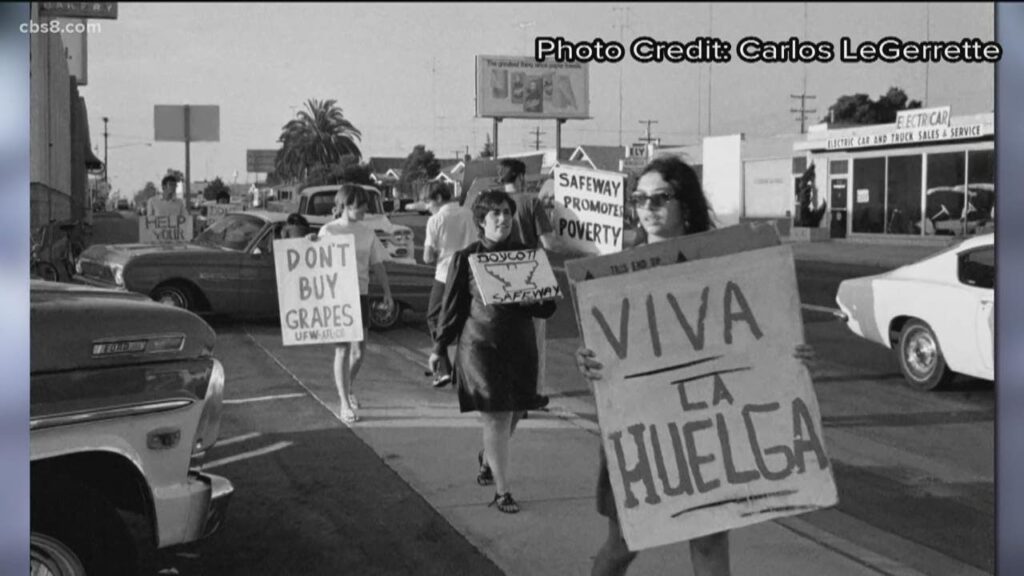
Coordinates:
(105, 134)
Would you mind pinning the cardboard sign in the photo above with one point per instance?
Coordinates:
(708, 421)
(318, 290)
(591, 209)
(215, 212)
(685, 248)
(514, 276)
(165, 229)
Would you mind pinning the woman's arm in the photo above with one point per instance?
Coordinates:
(455, 302)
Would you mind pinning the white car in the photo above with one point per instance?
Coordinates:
(317, 202)
(936, 314)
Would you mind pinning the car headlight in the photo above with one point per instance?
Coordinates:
(78, 266)
(118, 270)
(403, 236)
(209, 421)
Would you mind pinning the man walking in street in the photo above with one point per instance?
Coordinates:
(450, 229)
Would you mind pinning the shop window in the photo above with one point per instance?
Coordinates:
(837, 167)
(944, 196)
(799, 164)
(903, 208)
(981, 191)
(869, 195)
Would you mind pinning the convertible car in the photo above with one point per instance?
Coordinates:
(936, 314)
(229, 269)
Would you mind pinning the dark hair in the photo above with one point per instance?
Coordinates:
(295, 219)
(439, 191)
(686, 187)
(510, 170)
(491, 200)
(353, 195)
(169, 178)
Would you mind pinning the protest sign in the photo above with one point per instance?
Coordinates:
(590, 209)
(514, 276)
(708, 421)
(165, 229)
(215, 212)
(318, 290)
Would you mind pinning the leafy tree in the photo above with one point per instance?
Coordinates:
(859, 109)
(318, 135)
(488, 149)
(351, 170)
(420, 166)
(216, 189)
(147, 192)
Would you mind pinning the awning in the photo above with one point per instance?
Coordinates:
(91, 161)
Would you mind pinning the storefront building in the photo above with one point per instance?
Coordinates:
(926, 175)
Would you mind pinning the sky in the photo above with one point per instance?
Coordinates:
(403, 74)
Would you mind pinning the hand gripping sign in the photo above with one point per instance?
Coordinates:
(318, 290)
(514, 276)
(708, 421)
(165, 229)
(589, 209)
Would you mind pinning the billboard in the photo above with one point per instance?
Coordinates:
(521, 87)
(260, 161)
(169, 123)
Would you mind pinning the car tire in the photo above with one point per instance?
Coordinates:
(48, 555)
(46, 271)
(175, 294)
(381, 319)
(920, 357)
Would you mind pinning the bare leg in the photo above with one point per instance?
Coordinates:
(710, 555)
(355, 363)
(342, 374)
(614, 558)
(497, 431)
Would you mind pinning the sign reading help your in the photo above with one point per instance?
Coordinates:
(514, 276)
(165, 229)
(589, 209)
(708, 421)
(318, 290)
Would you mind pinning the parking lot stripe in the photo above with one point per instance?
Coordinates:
(246, 455)
(236, 439)
(265, 398)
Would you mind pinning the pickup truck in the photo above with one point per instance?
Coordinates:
(126, 398)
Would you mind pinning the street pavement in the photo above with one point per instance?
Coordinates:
(414, 447)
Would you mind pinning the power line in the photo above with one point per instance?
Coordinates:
(537, 133)
(648, 139)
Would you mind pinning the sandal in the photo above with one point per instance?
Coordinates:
(484, 477)
(349, 416)
(505, 502)
(353, 402)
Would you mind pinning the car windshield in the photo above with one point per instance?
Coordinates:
(323, 203)
(232, 232)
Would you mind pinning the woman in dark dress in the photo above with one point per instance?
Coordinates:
(496, 358)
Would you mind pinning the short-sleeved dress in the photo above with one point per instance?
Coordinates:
(496, 357)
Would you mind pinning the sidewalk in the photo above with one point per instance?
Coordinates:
(420, 434)
(883, 255)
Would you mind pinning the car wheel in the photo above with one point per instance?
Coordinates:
(920, 357)
(382, 318)
(47, 271)
(177, 295)
(51, 557)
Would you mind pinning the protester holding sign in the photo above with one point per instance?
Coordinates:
(669, 203)
(496, 357)
(350, 207)
(168, 204)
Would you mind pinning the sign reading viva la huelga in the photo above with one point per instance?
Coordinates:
(589, 209)
(318, 290)
(708, 421)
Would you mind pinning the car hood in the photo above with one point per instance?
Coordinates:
(68, 321)
(122, 253)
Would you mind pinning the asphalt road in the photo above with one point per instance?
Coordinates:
(914, 469)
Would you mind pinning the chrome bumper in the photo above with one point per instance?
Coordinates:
(220, 494)
(89, 281)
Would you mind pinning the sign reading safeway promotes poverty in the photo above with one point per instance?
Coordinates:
(318, 290)
(708, 421)
(514, 276)
(590, 209)
(165, 229)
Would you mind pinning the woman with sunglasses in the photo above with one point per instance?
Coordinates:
(669, 203)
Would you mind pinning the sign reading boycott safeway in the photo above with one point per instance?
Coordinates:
(590, 214)
(708, 421)
(514, 276)
(318, 290)
(165, 229)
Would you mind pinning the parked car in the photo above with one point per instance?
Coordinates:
(229, 269)
(316, 203)
(126, 397)
(936, 314)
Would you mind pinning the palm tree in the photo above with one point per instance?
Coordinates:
(317, 136)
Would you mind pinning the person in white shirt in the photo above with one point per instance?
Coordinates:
(350, 208)
(450, 229)
(168, 204)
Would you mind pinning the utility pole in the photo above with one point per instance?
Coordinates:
(457, 153)
(622, 41)
(711, 26)
(105, 135)
(648, 139)
(537, 133)
(803, 109)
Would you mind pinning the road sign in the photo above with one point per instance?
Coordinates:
(169, 123)
(260, 161)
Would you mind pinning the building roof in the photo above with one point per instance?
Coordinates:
(599, 157)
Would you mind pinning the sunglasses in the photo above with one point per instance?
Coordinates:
(650, 201)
